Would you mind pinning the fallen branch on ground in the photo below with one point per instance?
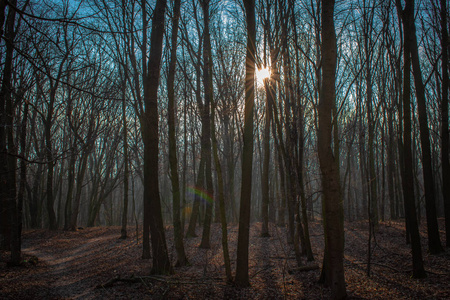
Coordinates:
(136, 279)
(305, 268)
(397, 270)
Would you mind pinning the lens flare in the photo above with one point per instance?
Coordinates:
(202, 194)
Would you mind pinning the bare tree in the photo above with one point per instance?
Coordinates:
(332, 204)
(407, 15)
(150, 136)
(444, 124)
(242, 278)
(177, 226)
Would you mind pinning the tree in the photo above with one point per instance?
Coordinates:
(223, 217)
(242, 278)
(177, 226)
(150, 136)
(444, 122)
(206, 121)
(266, 137)
(332, 204)
(407, 16)
(434, 241)
(126, 173)
(9, 226)
(266, 161)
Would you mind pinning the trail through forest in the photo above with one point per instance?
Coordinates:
(93, 263)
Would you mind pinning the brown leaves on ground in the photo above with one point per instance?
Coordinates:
(75, 265)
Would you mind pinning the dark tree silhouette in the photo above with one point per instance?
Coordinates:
(242, 278)
(444, 122)
(173, 161)
(332, 204)
(150, 136)
(408, 182)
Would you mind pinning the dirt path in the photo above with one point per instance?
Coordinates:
(66, 268)
(70, 264)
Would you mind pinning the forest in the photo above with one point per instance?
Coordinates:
(250, 149)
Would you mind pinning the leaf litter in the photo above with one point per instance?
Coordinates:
(93, 263)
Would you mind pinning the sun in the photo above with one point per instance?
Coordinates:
(262, 74)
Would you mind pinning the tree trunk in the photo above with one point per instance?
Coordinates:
(206, 123)
(173, 161)
(332, 204)
(79, 188)
(242, 277)
(444, 122)
(266, 161)
(434, 241)
(123, 230)
(7, 175)
(10, 230)
(23, 183)
(223, 218)
(150, 136)
(196, 206)
(391, 165)
(408, 180)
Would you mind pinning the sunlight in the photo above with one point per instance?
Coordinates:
(262, 74)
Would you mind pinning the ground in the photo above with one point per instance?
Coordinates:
(88, 264)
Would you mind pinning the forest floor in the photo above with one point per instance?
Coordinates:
(86, 265)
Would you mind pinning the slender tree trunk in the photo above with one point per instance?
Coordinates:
(50, 165)
(266, 161)
(11, 231)
(434, 241)
(7, 168)
(196, 206)
(150, 136)
(444, 122)
(408, 180)
(23, 182)
(123, 230)
(79, 188)
(185, 142)
(391, 165)
(206, 123)
(223, 218)
(70, 187)
(144, 129)
(332, 204)
(242, 277)
(173, 161)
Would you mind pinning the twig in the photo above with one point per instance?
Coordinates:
(440, 274)
(136, 279)
(262, 270)
(381, 265)
(397, 270)
(306, 268)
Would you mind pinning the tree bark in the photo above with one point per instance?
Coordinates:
(150, 136)
(434, 241)
(123, 230)
(10, 230)
(242, 277)
(408, 180)
(7, 164)
(223, 218)
(206, 123)
(332, 204)
(444, 122)
(266, 161)
(173, 161)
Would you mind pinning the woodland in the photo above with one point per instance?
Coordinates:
(236, 149)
